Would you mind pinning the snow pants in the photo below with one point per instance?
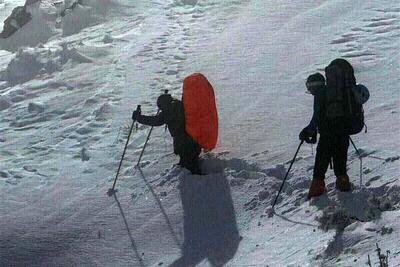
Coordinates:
(331, 147)
(188, 151)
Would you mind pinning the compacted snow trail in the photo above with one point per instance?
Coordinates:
(65, 113)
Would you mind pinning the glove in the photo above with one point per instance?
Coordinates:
(135, 115)
(308, 135)
(304, 134)
(312, 139)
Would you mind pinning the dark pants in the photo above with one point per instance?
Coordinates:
(331, 147)
(188, 151)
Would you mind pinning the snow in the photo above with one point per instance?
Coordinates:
(82, 16)
(68, 88)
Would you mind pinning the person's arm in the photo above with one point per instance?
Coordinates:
(313, 125)
(156, 120)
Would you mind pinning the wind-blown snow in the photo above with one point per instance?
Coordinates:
(66, 96)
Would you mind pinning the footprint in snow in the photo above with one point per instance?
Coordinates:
(392, 159)
(373, 179)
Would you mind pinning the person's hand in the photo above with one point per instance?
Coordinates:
(135, 114)
(312, 139)
(304, 134)
(308, 135)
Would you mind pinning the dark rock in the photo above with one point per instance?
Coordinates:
(18, 18)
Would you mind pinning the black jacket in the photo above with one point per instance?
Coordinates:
(173, 115)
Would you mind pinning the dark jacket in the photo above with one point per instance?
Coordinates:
(173, 115)
(318, 116)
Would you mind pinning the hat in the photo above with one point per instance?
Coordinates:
(163, 101)
(315, 81)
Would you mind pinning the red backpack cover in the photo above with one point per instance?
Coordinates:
(201, 117)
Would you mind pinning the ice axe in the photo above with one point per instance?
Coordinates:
(111, 191)
(271, 211)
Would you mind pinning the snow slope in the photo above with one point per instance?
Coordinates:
(65, 112)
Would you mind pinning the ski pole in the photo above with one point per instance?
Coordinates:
(111, 190)
(145, 144)
(360, 157)
(287, 173)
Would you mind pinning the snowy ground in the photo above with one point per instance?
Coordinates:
(66, 102)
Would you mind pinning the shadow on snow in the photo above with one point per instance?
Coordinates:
(210, 228)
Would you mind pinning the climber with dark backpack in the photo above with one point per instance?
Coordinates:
(192, 122)
(338, 113)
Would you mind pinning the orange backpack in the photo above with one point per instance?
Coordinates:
(201, 117)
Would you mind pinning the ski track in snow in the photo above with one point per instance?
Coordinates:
(62, 131)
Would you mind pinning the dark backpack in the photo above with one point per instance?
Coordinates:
(343, 108)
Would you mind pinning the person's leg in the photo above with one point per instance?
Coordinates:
(322, 160)
(190, 156)
(340, 163)
(195, 159)
(340, 155)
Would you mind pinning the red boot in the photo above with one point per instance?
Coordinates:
(317, 188)
(343, 183)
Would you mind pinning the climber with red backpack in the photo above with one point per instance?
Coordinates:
(338, 113)
(191, 122)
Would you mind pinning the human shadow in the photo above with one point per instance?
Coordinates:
(210, 229)
(167, 220)
(133, 244)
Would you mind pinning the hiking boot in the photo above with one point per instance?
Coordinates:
(343, 183)
(317, 188)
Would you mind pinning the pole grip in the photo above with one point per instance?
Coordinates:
(138, 109)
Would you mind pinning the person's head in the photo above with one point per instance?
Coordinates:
(163, 101)
(315, 82)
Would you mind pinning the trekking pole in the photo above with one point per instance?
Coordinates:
(111, 190)
(145, 144)
(360, 157)
(287, 173)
